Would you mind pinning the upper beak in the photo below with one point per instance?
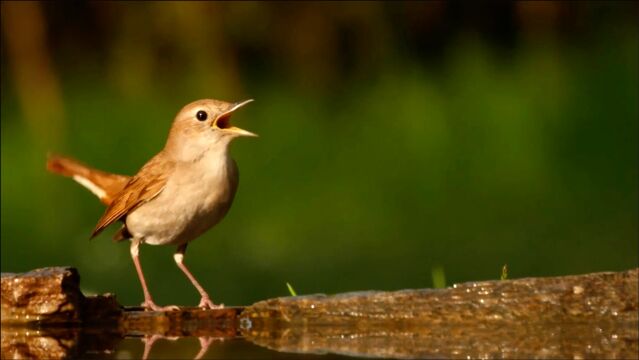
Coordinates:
(227, 114)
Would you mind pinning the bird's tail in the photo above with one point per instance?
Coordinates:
(102, 184)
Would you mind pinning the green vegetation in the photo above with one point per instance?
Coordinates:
(504, 272)
(291, 290)
(439, 277)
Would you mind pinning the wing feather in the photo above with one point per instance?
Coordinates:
(144, 186)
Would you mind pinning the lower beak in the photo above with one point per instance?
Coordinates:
(241, 132)
(226, 115)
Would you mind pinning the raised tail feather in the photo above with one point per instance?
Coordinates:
(102, 184)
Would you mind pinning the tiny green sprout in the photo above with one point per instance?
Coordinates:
(504, 272)
(439, 277)
(291, 290)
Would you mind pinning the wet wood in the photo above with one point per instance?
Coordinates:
(44, 315)
(52, 295)
(608, 296)
(188, 321)
(585, 316)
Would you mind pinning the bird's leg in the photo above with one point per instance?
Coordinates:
(148, 301)
(179, 260)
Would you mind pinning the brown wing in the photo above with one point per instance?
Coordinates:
(144, 186)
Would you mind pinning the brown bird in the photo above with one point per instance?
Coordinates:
(177, 195)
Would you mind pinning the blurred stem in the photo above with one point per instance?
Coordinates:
(24, 30)
(439, 277)
(504, 272)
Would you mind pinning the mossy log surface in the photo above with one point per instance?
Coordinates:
(582, 316)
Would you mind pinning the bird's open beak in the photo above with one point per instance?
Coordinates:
(223, 121)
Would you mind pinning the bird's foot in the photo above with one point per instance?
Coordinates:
(207, 303)
(150, 305)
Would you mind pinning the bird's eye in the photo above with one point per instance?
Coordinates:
(201, 115)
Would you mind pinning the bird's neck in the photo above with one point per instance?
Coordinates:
(196, 152)
(209, 166)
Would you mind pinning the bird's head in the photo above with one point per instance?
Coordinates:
(203, 126)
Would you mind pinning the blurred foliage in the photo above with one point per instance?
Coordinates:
(396, 138)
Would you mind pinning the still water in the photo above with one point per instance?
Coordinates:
(191, 348)
(574, 341)
(58, 344)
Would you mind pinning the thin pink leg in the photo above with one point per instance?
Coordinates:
(148, 301)
(206, 300)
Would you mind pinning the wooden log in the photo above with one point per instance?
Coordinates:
(45, 316)
(582, 316)
(606, 296)
(52, 295)
(593, 315)
(188, 321)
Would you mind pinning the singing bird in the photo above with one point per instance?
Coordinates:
(176, 196)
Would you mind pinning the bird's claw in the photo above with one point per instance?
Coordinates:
(150, 305)
(207, 303)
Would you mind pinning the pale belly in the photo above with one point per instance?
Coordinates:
(186, 208)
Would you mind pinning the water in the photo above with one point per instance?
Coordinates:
(576, 341)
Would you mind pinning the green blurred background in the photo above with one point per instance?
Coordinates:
(398, 140)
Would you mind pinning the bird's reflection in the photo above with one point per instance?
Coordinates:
(205, 343)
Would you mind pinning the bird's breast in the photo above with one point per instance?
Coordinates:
(195, 198)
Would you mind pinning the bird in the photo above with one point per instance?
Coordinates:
(181, 192)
